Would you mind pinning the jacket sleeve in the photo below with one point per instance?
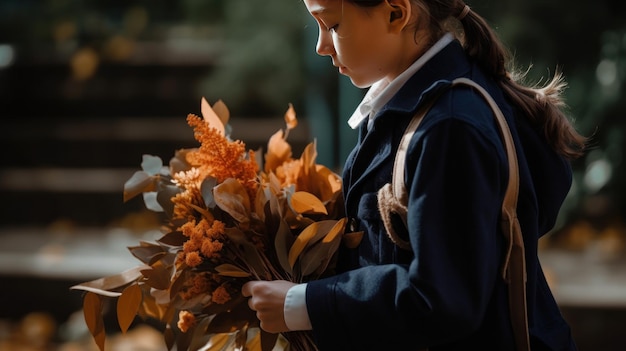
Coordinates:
(456, 172)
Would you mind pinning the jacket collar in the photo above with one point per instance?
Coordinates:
(382, 91)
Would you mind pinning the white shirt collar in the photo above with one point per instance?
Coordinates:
(382, 91)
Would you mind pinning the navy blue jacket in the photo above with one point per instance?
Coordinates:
(448, 293)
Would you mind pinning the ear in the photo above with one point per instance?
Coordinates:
(399, 14)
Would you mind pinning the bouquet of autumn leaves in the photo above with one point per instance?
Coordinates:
(231, 216)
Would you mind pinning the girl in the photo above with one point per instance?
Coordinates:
(445, 292)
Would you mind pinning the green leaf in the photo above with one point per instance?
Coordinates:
(92, 308)
(128, 305)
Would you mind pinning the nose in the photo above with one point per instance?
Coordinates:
(325, 45)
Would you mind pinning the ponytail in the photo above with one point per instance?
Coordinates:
(542, 105)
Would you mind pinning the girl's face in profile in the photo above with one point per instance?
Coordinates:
(359, 40)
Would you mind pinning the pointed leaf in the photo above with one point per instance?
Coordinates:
(249, 251)
(211, 117)
(92, 308)
(128, 305)
(150, 199)
(301, 241)
(103, 286)
(307, 203)
(151, 164)
(290, 117)
(282, 243)
(140, 182)
(317, 258)
(165, 193)
(352, 240)
(221, 110)
(147, 253)
(158, 277)
(278, 152)
(179, 163)
(230, 270)
(233, 198)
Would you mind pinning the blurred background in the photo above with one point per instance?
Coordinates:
(88, 87)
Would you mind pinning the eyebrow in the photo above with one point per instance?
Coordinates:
(318, 10)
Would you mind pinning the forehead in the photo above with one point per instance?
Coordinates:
(317, 7)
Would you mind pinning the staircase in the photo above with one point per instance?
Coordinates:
(69, 147)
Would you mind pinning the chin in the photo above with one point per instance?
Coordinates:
(360, 83)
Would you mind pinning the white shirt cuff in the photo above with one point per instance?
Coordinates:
(296, 314)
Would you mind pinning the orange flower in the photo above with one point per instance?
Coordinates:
(220, 295)
(222, 158)
(186, 320)
(193, 259)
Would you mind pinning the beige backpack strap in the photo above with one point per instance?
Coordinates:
(392, 198)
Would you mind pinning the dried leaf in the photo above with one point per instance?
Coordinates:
(317, 258)
(150, 199)
(150, 308)
(103, 286)
(165, 193)
(179, 163)
(147, 253)
(233, 198)
(250, 252)
(175, 238)
(278, 152)
(151, 164)
(211, 117)
(352, 240)
(128, 305)
(327, 183)
(158, 277)
(290, 117)
(230, 270)
(139, 183)
(215, 342)
(301, 241)
(169, 337)
(282, 243)
(199, 338)
(221, 110)
(307, 203)
(92, 308)
(241, 338)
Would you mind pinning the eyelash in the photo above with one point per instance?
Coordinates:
(333, 28)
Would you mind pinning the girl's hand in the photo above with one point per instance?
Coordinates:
(267, 298)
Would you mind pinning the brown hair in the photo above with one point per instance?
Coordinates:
(543, 105)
